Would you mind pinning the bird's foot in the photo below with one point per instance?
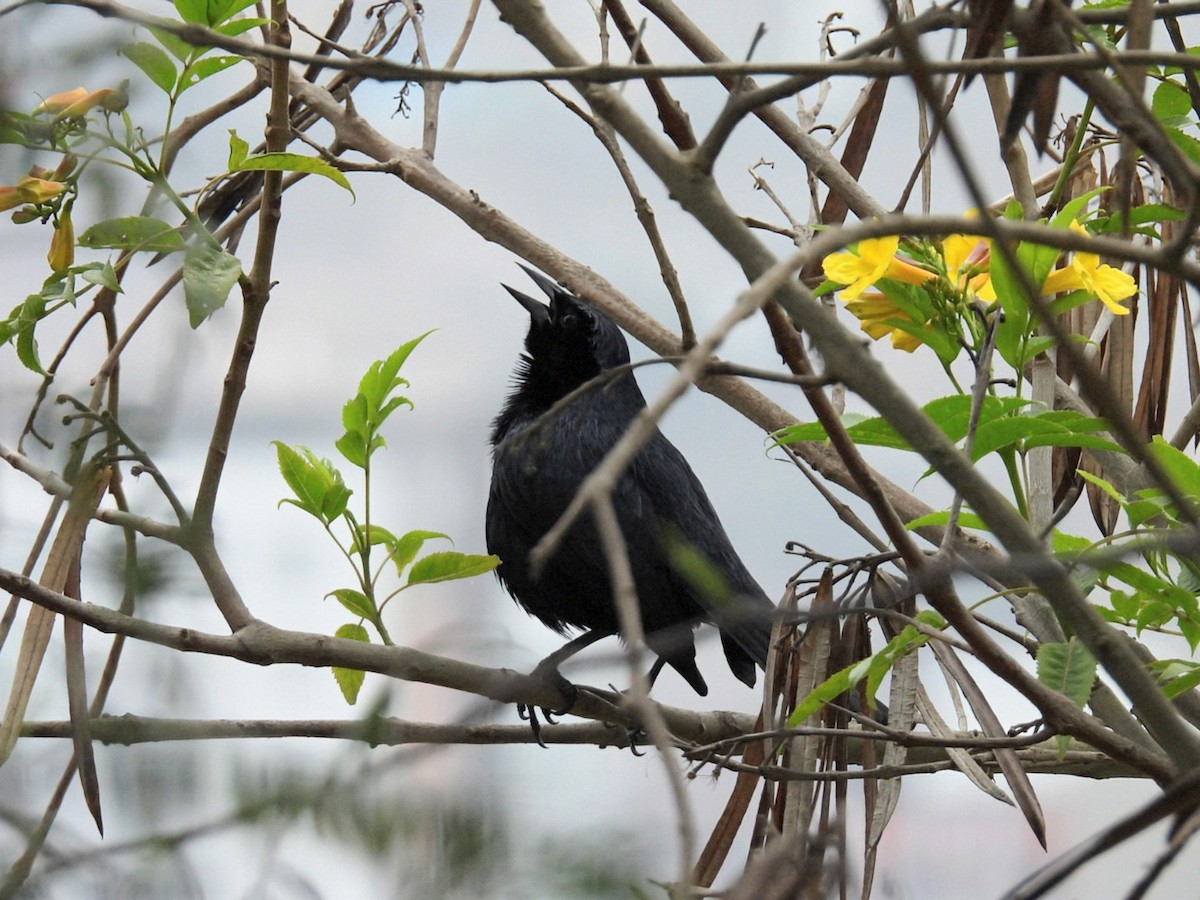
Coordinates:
(634, 732)
(547, 672)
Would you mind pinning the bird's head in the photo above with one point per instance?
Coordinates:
(567, 339)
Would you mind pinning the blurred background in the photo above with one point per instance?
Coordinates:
(356, 278)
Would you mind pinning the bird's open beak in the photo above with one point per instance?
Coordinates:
(538, 311)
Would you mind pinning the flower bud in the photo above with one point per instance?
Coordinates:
(62, 245)
(66, 167)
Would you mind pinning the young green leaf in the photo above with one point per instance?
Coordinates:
(238, 149)
(318, 487)
(350, 680)
(449, 565)
(355, 602)
(404, 549)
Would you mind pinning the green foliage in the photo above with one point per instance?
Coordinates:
(134, 233)
(95, 129)
(240, 161)
(365, 412)
(209, 274)
(1004, 423)
(1069, 669)
(1177, 676)
(872, 669)
(1161, 593)
(319, 489)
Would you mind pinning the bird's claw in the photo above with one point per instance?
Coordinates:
(547, 672)
(633, 734)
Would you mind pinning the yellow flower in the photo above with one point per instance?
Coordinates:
(39, 190)
(10, 196)
(967, 257)
(876, 259)
(873, 309)
(1084, 273)
(72, 103)
(62, 245)
(30, 189)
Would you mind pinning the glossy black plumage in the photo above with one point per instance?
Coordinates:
(538, 464)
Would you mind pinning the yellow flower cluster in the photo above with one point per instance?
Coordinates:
(961, 272)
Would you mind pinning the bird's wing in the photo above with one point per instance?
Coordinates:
(677, 500)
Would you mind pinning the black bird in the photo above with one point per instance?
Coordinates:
(538, 463)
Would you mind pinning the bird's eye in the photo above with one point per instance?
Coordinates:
(573, 320)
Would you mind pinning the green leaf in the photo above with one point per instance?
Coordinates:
(1170, 99)
(1103, 485)
(951, 414)
(908, 640)
(1191, 633)
(826, 692)
(1069, 544)
(1153, 614)
(222, 11)
(1061, 428)
(350, 680)
(133, 233)
(1181, 468)
(1177, 676)
(449, 565)
(364, 413)
(194, 11)
(1185, 142)
(405, 548)
(1152, 585)
(1139, 215)
(1036, 260)
(31, 312)
(104, 275)
(177, 47)
(362, 536)
(353, 448)
(154, 63)
(292, 162)
(1067, 668)
(205, 68)
(1124, 604)
(318, 487)
(239, 26)
(209, 274)
(942, 517)
(355, 601)
(237, 150)
(1071, 212)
